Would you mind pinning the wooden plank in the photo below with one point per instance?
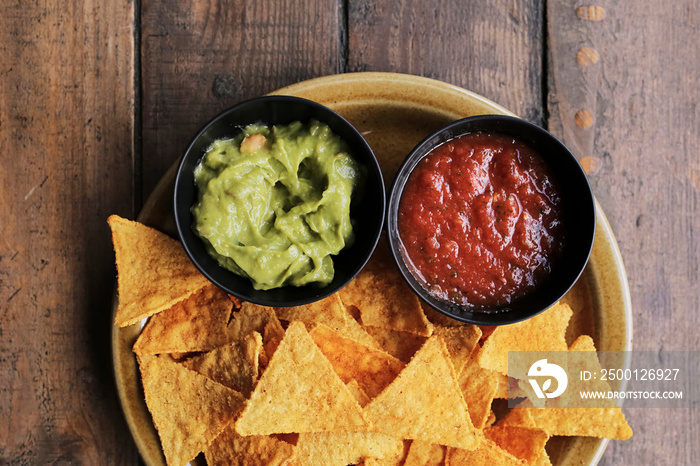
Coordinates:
(492, 48)
(202, 57)
(66, 139)
(642, 151)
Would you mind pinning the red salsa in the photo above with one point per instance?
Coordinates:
(481, 220)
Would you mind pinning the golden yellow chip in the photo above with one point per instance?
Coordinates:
(384, 299)
(231, 449)
(299, 392)
(522, 442)
(195, 324)
(154, 272)
(254, 318)
(425, 454)
(188, 409)
(491, 419)
(234, 365)
(544, 332)
(424, 402)
(357, 393)
(478, 386)
(488, 453)
(542, 460)
(460, 341)
(401, 345)
(583, 422)
(329, 311)
(438, 318)
(341, 448)
(372, 369)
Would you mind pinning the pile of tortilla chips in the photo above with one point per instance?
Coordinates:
(366, 376)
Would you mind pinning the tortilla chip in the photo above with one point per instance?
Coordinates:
(583, 422)
(254, 318)
(438, 318)
(491, 419)
(424, 402)
(542, 460)
(488, 453)
(401, 345)
(384, 299)
(522, 442)
(425, 454)
(478, 386)
(188, 409)
(341, 448)
(461, 342)
(231, 449)
(357, 393)
(195, 324)
(544, 332)
(299, 392)
(234, 365)
(582, 343)
(154, 272)
(372, 369)
(329, 311)
(503, 387)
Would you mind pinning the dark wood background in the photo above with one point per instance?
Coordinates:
(97, 99)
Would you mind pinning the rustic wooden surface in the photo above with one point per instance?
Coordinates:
(98, 99)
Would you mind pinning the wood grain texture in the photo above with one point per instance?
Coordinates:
(199, 58)
(66, 145)
(644, 96)
(492, 48)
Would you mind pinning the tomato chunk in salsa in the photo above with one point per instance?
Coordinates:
(480, 219)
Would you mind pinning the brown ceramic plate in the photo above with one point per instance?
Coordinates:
(394, 112)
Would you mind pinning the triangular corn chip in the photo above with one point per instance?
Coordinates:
(342, 448)
(424, 402)
(231, 449)
(195, 324)
(234, 365)
(522, 442)
(478, 387)
(358, 393)
(254, 318)
(544, 332)
(384, 299)
(488, 453)
(583, 422)
(188, 409)
(401, 345)
(329, 311)
(372, 369)
(425, 454)
(299, 392)
(460, 341)
(154, 272)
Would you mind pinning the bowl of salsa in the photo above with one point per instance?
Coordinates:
(491, 220)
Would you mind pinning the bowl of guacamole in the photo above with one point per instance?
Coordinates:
(279, 201)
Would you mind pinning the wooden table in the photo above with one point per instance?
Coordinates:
(97, 99)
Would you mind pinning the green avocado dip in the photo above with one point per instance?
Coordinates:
(274, 203)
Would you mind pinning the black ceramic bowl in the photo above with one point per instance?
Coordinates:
(367, 208)
(578, 212)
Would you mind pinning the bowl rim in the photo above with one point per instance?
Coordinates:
(425, 147)
(373, 172)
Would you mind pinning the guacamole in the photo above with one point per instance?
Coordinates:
(274, 203)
